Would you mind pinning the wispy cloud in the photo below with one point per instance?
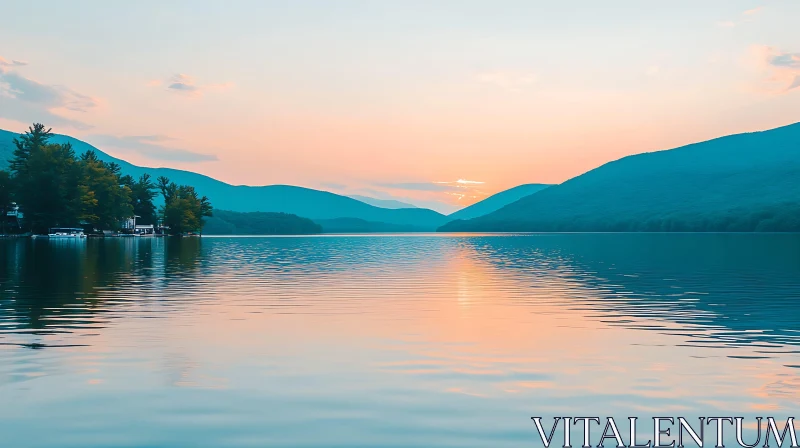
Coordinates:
(26, 100)
(186, 85)
(754, 11)
(417, 186)
(12, 63)
(183, 83)
(333, 186)
(454, 185)
(443, 196)
(151, 146)
(785, 60)
(463, 182)
(782, 68)
(746, 16)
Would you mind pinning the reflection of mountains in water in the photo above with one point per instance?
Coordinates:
(721, 289)
(713, 289)
(49, 287)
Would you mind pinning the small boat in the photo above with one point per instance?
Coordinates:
(66, 232)
(147, 230)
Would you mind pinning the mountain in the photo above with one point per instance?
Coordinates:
(355, 225)
(225, 222)
(6, 147)
(383, 203)
(497, 201)
(306, 202)
(744, 182)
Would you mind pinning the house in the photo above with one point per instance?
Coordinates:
(129, 223)
(144, 230)
(12, 221)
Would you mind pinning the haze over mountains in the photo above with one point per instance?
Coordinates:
(497, 201)
(304, 202)
(744, 182)
(384, 203)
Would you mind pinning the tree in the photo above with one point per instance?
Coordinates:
(183, 209)
(46, 179)
(106, 201)
(35, 137)
(56, 189)
(167, 188)
(6, 197)
(143, 191)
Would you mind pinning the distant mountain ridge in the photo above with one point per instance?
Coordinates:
(383, 203)
(300, 201)
(355, 225)
(497, 201)
(742, 182)
(225, 222)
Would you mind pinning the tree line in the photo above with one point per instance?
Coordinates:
(225, 222)
(56, 188)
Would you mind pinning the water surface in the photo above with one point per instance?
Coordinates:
(379, 341)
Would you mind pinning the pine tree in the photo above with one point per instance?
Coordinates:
(35, 137)
(46, 180)
(56, 189)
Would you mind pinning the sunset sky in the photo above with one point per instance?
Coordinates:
(398, 99)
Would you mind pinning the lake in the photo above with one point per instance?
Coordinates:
(388, 340)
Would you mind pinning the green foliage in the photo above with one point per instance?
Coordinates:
(299, 201)
(6, 196)
(355, 225)
(36, 137)
(743, 183)
(183, 209)
(259, 223)
(105, 201)
(780, 217)
(46, 179)
(55, 188)
(143, 191)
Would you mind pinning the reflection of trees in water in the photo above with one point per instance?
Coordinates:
(182, 255)
(730, 289)
(329, 255)
(721, 288)
(50, 286)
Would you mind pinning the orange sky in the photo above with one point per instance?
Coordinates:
(400, 99)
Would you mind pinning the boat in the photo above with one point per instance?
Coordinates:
(147, 230)
(66, 232)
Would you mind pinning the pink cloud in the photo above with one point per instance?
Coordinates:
(184, 84)
(782, 69)
(754, 11)
(12, 63)
(747, 17)
(28, 100)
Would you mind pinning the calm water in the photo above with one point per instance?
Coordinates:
(374, 341)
